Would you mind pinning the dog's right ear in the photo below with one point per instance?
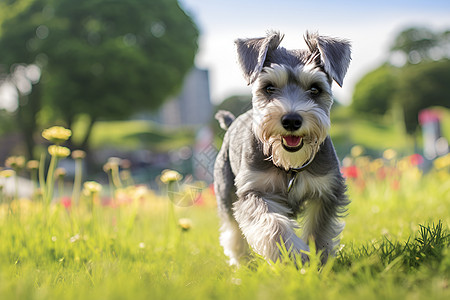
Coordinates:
(252, 53)
(332, 53)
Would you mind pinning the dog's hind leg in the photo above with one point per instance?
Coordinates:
(231, 238)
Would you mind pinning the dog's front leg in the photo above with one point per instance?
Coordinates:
(321, 223)
(265, 224)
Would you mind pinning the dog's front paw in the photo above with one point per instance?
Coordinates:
(305, 258)
(298, 248)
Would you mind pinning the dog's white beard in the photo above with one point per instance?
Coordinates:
(314, 132)
(288, 160)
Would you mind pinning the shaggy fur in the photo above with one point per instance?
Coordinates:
(277, 161)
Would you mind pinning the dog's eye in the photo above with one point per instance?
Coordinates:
(270, 89)
(315, 90)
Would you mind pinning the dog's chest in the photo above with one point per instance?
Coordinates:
(307, 186)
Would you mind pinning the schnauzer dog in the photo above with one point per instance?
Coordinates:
(277, 161)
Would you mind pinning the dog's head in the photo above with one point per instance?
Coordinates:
(292, 93)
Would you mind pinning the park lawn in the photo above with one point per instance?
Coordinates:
(395, 246)
(134, 134)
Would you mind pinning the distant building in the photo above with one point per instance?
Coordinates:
(192, 107)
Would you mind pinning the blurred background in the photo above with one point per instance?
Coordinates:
(141, 79)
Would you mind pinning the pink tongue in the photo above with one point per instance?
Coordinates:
(292, 140)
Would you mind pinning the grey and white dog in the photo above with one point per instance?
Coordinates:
(277, 161)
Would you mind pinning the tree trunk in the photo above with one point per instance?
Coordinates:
(27, 111)
(85, 143)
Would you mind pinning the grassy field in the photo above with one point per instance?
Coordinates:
(395, 246)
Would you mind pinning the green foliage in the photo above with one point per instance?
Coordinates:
(375, 133)
(421, 86)
(416, 43)
(237, 105)
(428, 247)
(129, 135)
(412, 87)
(107, 59)
(374, 92)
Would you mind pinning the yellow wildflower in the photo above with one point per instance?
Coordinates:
(7, 173)
(357, 151)
(57, 134)
(442, 162)
(58, 151)
(91, 187)
(60, 172)
(15, 162)
(376, 165)
(32, 165)
(185, 224)
(115, 161)
(78, 154)
(389, 154)
(170, 176)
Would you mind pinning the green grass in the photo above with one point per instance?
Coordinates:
(376, 133)
(134, 134)
(395, 246)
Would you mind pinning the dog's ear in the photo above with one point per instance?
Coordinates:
(253, 52)
(332, 53)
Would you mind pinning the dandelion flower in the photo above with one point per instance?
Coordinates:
(170, 176)
(60, 172)
(58, 151)
(7, 173)
(389, 154)
(115, 161)
(57, 134)
(107, 167)
(91, 187)
(32, 165)
(357, 151)
(442, 162)
(15, 162)
(78, 154)
(185, 224)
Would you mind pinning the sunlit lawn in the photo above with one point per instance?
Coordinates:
(139, 245)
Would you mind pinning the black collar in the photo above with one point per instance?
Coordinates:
(293, 172)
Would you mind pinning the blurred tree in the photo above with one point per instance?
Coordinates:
(421, 86)
(103, 58)
(373, 93)
(415, 44)
(419, 44)
(237, 105)
(420, 83)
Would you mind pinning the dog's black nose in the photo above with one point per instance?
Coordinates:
(291, 121)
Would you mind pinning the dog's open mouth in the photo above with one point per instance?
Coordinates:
(292, 143)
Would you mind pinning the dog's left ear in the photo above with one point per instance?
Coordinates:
(332, 53)
(252, 53)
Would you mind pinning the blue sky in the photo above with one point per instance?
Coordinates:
(370, 25)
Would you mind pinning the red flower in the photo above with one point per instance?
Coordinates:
(66, 202)
(350, 172)
(416, 159)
